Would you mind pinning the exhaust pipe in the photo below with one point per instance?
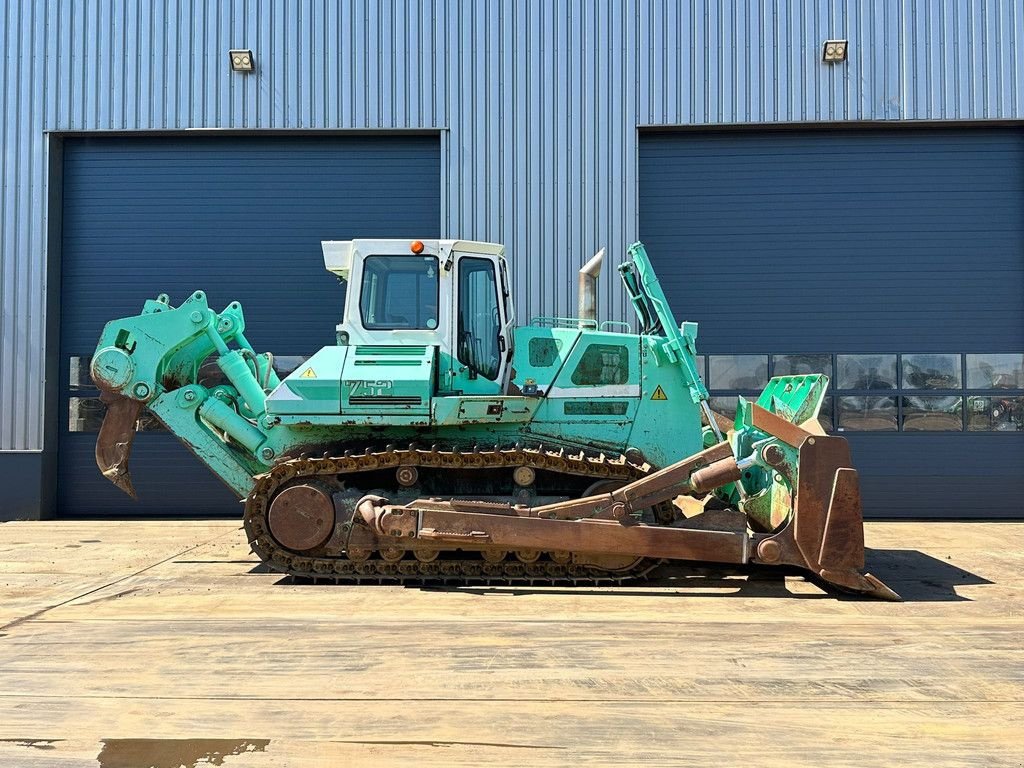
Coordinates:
(588, 290)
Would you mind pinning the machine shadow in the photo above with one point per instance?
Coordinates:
(920, 578)
(917, 577)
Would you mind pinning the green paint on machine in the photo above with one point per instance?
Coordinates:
(566, 382)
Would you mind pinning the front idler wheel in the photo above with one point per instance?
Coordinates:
(301, 517)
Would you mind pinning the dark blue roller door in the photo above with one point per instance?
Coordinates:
(242, 219)
(902, 243)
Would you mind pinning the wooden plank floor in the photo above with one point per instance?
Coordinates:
(154, 644)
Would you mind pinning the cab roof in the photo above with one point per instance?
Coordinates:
(338, 253)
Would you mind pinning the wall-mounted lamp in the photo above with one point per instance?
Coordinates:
(242, 61)
(834, 51)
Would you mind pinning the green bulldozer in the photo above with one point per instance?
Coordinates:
(438, 441)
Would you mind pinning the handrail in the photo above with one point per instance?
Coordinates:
(544, 321)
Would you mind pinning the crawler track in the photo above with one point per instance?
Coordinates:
(453, 566)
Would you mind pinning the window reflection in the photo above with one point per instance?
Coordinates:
(725, 405)
(866, 413)
(543, 351)
(825, 414)
(702, 367)
(738, 371)
(995, 414)
(931, 371)
(802, 365)
(933, 413)
(866, 371)
(285, 365)
(85, 414)
(913, 392)
(1003, 371)
(79, 376)
(399, 292)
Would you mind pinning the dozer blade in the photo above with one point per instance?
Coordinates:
(114, 444)
(827, 529)
(825, 532)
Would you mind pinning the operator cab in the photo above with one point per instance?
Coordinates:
(452, 294)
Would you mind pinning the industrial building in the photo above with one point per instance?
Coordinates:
(822, 185)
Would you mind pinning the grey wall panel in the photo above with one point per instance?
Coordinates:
(541, 102)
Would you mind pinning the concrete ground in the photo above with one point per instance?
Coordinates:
(156, 644)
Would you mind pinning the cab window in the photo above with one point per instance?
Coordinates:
(479, 323)
(399, 292)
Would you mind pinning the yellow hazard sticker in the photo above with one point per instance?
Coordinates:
(308, 374)
(659, 394)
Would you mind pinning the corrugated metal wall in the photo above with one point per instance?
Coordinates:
(541, 102)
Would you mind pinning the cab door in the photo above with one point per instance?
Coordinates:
(481, 334)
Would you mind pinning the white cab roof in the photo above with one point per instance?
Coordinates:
(338, 253)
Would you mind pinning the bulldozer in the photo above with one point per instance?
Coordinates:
(437, 441)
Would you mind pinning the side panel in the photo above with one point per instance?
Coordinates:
(392, 379)
(667, 423)
(539, 356)
(593, 399)
(314, 387)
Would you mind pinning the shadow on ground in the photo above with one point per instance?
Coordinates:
(920, 578)
(917, 578)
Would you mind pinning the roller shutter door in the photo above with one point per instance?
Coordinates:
(240, 218)
(893, 259)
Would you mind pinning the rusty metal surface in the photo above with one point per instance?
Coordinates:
(603, 537)
(715, 475)
(825, 532)
(600, 536)
(842, 544)
(302, 517)
(724, 422)
(114, 443)
(356, 527)
(786, 431)
(671, 481)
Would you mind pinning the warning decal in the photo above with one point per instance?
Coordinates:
(659, 394)
(308, 374)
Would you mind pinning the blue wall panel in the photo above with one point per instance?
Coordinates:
(840, 241)
(240, 218)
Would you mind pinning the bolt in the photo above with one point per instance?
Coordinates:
(810, 441)
(267, 453)
(190, 395)
(769, 551)
(407, 476)
(524, 476)
(141, 390)
(196, 316)
(773, 455)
